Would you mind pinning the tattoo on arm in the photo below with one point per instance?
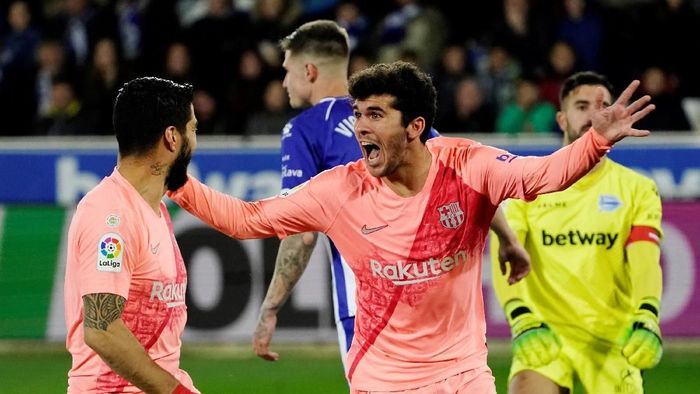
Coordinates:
(101, 309)
(292, 259)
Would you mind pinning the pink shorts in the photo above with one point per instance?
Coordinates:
(477, 381)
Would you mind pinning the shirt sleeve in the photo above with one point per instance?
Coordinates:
(499, 174)
(105, 255)
(647, 212)
(310, 206)
(300, 161)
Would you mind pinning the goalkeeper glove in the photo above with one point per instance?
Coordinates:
(643, 346)
(534, 343)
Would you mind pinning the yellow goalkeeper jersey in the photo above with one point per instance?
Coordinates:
(579, 282)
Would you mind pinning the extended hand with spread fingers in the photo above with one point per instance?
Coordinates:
(615, 122)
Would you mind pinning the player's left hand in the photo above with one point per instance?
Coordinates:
(643, 346)
(515, 254)
(263, 335)
(615, 122)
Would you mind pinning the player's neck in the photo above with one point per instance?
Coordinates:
(147, 175)
(329, 87)
(410, 177)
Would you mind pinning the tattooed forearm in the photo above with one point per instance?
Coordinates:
(157, 168)
(292, 259)
(99, 310)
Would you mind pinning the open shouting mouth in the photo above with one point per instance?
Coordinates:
(372, 152)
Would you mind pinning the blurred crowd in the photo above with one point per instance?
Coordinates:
(498, 65)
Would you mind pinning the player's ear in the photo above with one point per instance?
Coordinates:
(171, 138)
(415, 128)
(311, 72)
(561, 121)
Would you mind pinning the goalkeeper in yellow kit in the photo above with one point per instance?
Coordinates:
(589, 309)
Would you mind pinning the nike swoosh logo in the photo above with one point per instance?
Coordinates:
(369, 230)
(154, 249)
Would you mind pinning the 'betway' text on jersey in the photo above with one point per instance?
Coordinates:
(576, 237)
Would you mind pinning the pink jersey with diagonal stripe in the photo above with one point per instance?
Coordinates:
(418, 260)
(118, 245)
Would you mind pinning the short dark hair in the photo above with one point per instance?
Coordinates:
(413, 90)
(584, 78)
(144, 108)
(320, 38)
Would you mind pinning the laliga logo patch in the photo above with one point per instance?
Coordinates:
(110, 253)
(608, 203)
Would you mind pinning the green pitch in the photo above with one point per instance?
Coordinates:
(41, 368)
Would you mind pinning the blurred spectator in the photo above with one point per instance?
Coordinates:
(19, 45)
(349, 17)
(155, 39)
(81, 25)
(468, 112)
(582, 29)
(190, 11)
(670, 33)
(669, 114)
(623, 50)
(177, 63)
(208, 117)
(275, 114)
(272, 20)
(216, 42)
(317, 9)
(450, 71)
(65, 115)
(18, 70)
(561, 64)
(246, 94)
(524, 31)
(52, 63)
(527, 114)
(103, 82)
(477, 19)
(415, 28)
(497, 74)
(130, 19)
(358, 62)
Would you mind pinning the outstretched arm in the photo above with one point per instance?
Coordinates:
(298, 212)
(292, 258)
(500, 174)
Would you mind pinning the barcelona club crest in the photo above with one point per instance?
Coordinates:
(451, 215)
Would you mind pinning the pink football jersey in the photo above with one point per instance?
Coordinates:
(118, 245)
(418, 260)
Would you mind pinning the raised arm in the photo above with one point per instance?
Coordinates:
(106, 334)
(500, 174)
